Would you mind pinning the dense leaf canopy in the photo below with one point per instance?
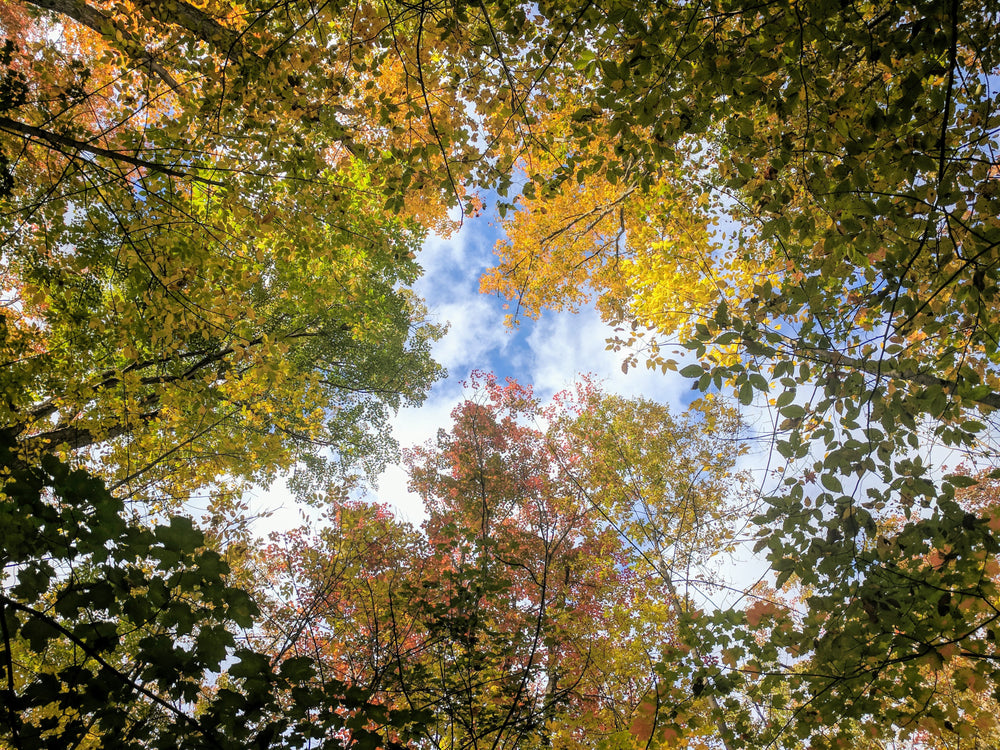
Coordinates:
(211, 215)
(553, 568)
(114, 633)
(191, 271)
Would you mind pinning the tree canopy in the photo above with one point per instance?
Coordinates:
(563, 544)
(212, 215)
(112, 630)
(196, 284)
(803, 198)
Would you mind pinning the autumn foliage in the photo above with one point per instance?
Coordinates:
(211, 215)
(526, 612)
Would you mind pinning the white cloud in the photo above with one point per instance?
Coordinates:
(564, 346)
(442, 256)
(476, 334)
(412, 427)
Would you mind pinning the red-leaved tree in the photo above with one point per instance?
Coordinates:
(547, 583)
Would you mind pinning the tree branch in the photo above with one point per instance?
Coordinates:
(880, 368)
(81, 437)
(14, 127)
(94, 19)
(199, 23)
(952, 63)
(9, 692)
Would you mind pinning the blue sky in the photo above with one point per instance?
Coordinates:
(549, 353)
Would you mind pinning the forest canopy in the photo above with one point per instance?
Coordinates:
(212, 217)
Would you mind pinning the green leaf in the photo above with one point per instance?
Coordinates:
(250, 665)
(831, 482)
(37, 633)
(297, 669)
(784, 398)
(961, 480)
(180, 535)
